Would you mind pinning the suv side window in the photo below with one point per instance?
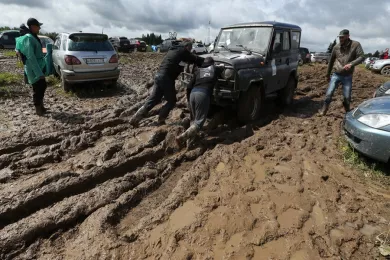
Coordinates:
(57, 43)
(278, 42)
(63, 41)
(286, 41)
(5, 37)
(295, 38)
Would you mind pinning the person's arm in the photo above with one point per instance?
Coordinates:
(30, 55)
(190, 85)
(192, 58)
(331, 62)
(359, 55)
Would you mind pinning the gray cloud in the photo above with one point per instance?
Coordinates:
(320, 20)
(29, 3)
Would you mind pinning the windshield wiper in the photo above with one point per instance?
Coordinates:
(245, 48)
(248, 50)
(226, 48)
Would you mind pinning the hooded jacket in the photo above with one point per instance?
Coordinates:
(170, 65)
(349, 53)
(204, 78)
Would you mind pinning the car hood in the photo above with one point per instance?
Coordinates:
(237, 59)
(379, 105)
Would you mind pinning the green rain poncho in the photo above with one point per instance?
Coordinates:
(37, 65)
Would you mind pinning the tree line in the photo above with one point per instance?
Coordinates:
(150, 38)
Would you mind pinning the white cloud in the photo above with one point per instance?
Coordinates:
(320, 20)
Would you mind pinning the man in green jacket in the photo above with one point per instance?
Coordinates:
(345, 56)
(31, 48)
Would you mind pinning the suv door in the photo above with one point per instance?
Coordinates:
(275, 61)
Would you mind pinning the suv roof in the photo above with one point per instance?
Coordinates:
(264, 24)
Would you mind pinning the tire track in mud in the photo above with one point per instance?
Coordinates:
(75, 193)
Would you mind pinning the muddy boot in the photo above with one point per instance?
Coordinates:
(39, 110)
(324, 109)
(346, 106)
(43, 108)
(134, 121)
(188, 134)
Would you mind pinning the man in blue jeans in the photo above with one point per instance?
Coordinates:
(345, 56)
(164, 82)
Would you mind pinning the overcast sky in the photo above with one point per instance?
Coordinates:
(320, 21)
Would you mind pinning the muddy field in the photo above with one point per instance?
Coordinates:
(81, 183)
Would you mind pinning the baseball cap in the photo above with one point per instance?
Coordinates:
(33, 21)
(344, 32)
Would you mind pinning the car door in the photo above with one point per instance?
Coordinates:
(275, 61)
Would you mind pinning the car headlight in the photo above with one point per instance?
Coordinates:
(228, 74)
(375, 120)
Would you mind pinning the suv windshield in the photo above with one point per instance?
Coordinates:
(89, 43)
(253, 38)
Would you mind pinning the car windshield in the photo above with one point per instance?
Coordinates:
(89, 43)
(253, 38)
(45, 41)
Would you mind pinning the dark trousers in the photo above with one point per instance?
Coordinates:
(163, 87)
(39, 89)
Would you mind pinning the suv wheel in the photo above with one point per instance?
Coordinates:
(1, 46)
(65, 85)
(286, 95)
(386, 70)
(300, 62)
(250, 104)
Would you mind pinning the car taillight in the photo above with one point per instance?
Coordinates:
(114, 59)
(72, 60)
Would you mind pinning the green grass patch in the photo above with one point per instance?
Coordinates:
(53, 80)
(7, 78)
(10, 54)
(369, 167)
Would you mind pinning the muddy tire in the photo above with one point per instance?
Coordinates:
(250, 104)
(1, 47)
(65, 85)
(286, 95)
(386, 71)
(300, 62)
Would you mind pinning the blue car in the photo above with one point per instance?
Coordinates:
(367, 128)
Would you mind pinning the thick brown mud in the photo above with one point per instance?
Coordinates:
(81, 183)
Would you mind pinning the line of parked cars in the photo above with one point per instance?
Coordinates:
(123, 44)
(7, 40)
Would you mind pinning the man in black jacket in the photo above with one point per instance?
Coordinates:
(200, 90)
(164, 82)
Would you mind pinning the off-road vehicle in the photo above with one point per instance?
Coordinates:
(259, 59)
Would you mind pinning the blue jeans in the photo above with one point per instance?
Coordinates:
(346, 82)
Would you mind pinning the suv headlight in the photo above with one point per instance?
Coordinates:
(228, 74)
(375, 120)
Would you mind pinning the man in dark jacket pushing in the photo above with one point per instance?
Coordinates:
(200, 88)
(164, 82)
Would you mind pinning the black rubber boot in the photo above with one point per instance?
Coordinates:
(346, 105)
(39, 110)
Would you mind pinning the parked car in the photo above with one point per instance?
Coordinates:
(138, 45)
(167, 44)
(305, 56)
(382, 66)
(383, 90)
(44, 41)
(367, 128)
(323, 57)
(122, 44)
(259, 59)
(83, 57)
(7, 39)
(368, 61)
(199, 48)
